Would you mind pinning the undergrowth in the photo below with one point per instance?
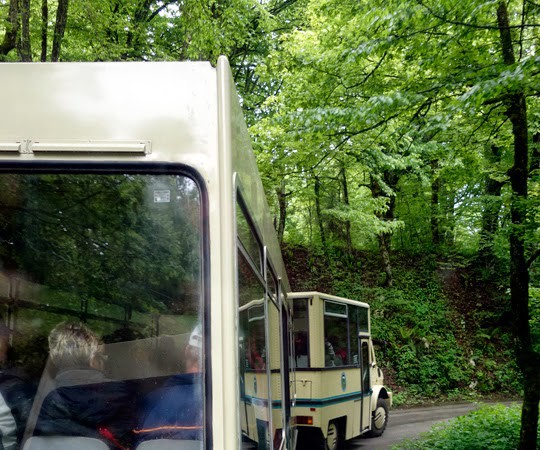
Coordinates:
(443, 334)
(493, 427)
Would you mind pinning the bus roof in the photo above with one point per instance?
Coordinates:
(134, 108)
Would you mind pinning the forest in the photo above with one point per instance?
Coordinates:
(399, 146)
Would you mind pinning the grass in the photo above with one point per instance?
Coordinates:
(489, 427)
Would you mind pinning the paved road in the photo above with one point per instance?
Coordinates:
(408, 424)
(404, 424)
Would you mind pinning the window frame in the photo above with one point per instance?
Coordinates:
(87, 167)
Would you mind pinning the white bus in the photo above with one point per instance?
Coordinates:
(338, 388)
(130, 203)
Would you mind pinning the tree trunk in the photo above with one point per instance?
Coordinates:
(535, 154)
(44, 25)
(449, 225)
(490, 213)
(384, 239)
(25, 51)
(527, 360)
(348, 238)
(435, 215)
(12, 28)
(318, 211)
(384, 247)
(282, 202)
(59, 29)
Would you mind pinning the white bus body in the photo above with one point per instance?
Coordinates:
(338, 387)
(79, 139)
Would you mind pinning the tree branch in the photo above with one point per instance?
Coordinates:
(157, 11)
(282, 6)
(533, 258)
(365, 130)
(471, 25)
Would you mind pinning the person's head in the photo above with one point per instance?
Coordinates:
(193, 350)
(73, 345)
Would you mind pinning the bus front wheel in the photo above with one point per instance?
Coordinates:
(379, 419)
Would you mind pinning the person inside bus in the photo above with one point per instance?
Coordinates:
(329, 353)
(84, 402)
(300, 349)
(16, 396)
(255, 358)
(175, 411)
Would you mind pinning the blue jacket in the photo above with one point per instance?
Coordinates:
(175, 411)
(84, 402)
(16, 398)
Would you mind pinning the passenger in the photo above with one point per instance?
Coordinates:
(301, 349)
(341, 354)
(84, 402)
(329, 353)
(175, 411)
(255, 359)
(16, 396)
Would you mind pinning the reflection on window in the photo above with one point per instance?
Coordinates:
(335, 309)
(363, 319)
(354, 326)
(254, 384)
(336, 335)
(300, 333)
(247, 238)
(275, 354)
(101, 301)
(256, 342)
(252, 316)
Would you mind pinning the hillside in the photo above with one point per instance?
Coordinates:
(446, 329)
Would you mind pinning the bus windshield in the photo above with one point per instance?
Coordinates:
(101, 306)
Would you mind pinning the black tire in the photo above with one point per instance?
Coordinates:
(379, 418)
(334, 437)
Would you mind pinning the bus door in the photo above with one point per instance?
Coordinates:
(365, 383)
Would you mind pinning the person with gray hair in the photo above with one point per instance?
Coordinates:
(73, 346)
(84, 402)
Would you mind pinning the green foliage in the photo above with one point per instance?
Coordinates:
(494, 427)
(438, 344)
(422, 348)
(104, 238)
(534, 305)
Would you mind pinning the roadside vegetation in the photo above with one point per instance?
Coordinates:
(443, 334)
(489, 427)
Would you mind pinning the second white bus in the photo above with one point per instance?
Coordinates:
(339, 390)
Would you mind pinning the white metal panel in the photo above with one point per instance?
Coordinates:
(170, 106)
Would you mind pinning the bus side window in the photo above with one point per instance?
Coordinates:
(354, 330)
(254, 383)
(336, 334)
(300, 333)
(366, 382)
